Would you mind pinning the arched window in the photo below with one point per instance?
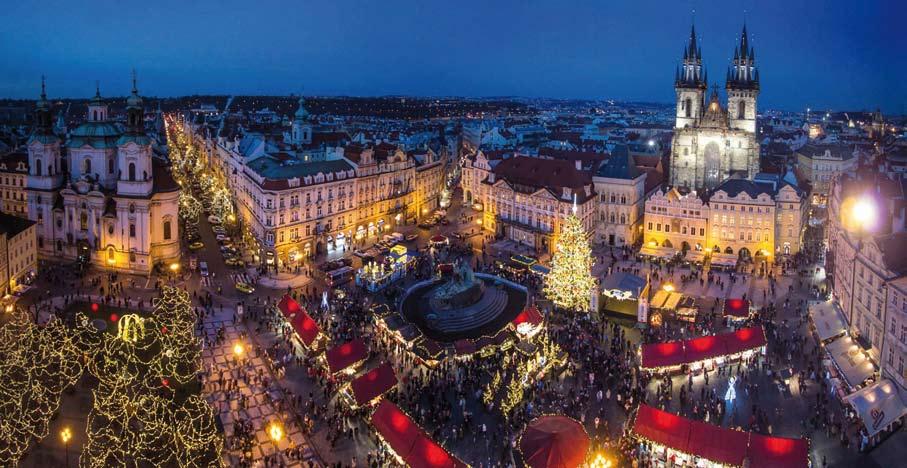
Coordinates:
(741, 110)
(86, 166)
(110, 253)
(95, 115)
(167, 230)
(83, 221)
(110, 166)
(688, 107)
(37, 167)
(132, 172)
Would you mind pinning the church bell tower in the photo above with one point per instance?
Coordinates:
(690, 84)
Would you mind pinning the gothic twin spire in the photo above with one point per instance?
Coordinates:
(741, 73)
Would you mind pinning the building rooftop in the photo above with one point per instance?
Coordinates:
(13, 225)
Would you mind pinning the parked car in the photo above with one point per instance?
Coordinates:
(196, 245)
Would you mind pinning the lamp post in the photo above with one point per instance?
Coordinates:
(65, 436)
(275, 433)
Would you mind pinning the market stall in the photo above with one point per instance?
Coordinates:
(539, 270)
(851, 362)
(827, 319)
(705, 351)
(528, 322)
(667, 436)
(722, 260)
(377, 275)
(653, 251)
(621, 293)
(305, 330)
(347, 356)
(369, 387)
(409, 443)
(880, 409)
(737, 309)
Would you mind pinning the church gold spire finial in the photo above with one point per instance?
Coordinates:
(43, 89)
(135, 89)
(97, 88)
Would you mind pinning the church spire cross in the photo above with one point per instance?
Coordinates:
(97, 88)
(43, 89)
(135, 89)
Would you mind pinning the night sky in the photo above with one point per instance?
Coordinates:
(831, 53)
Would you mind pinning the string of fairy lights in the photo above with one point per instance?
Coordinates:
(144, 411)
(184, 156)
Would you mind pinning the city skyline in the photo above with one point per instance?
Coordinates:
(479, 51)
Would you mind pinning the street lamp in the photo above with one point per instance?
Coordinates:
(65, 436)
(238, 350)
(668, 287)
(601, 462)
(174, 267)
(275, 431)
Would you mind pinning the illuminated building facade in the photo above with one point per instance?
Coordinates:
(13, 176)
(101, 197)
(712, 143)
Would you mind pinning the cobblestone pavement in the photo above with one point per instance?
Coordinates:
(263, 404)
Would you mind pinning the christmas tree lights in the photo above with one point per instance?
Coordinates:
(569, 284)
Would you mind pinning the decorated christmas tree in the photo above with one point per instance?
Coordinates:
(569, 283)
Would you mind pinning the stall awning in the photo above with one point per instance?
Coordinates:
(725, 446)
(744, 339)
(373, 383)
(427, 454)
(529, 315)
(721, 259)
(695, 256)
(672, 300)
(704, 348)
(718, 444)
(342, 356)
(663, 428)
(827, 318)
(288, 306)
(657, 252)
(658, 302)
(851, 360)
(739, 308)
(540, 269)
(396, 428)
(305, 327)
(675, 353)
(777, 452)
(666, 354)
(878, 406)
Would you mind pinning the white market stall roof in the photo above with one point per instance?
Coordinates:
(658, 252)
(695, 256)
(723, 259)
(878, 405)
(828, 319)
(851, 360)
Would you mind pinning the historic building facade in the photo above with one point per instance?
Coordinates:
(316, 198)
(712, 142)
(102, 197)
(13, 176)
(746, 219)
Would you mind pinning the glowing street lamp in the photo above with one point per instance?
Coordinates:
(174, 267)
(66, 436)
(275, 431)
(238, 350)
(600, 461)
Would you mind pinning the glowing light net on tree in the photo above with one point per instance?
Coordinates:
(140, 416)
(37, 363)
(569, 283)
(190, 207)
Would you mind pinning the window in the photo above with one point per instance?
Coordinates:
(132, 172)
(86, 166)
(741, 110)
(688, 107)
(38, 168)
(110, 166)
(650, 226)
(131, 230)
(132, 256)
(166, 230)
(83, 221)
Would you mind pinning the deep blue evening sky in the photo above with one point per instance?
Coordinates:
(831, 53)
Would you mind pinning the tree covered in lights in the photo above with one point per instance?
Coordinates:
(143, 412)
(569, 284)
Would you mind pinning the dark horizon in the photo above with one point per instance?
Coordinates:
(834, 57)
